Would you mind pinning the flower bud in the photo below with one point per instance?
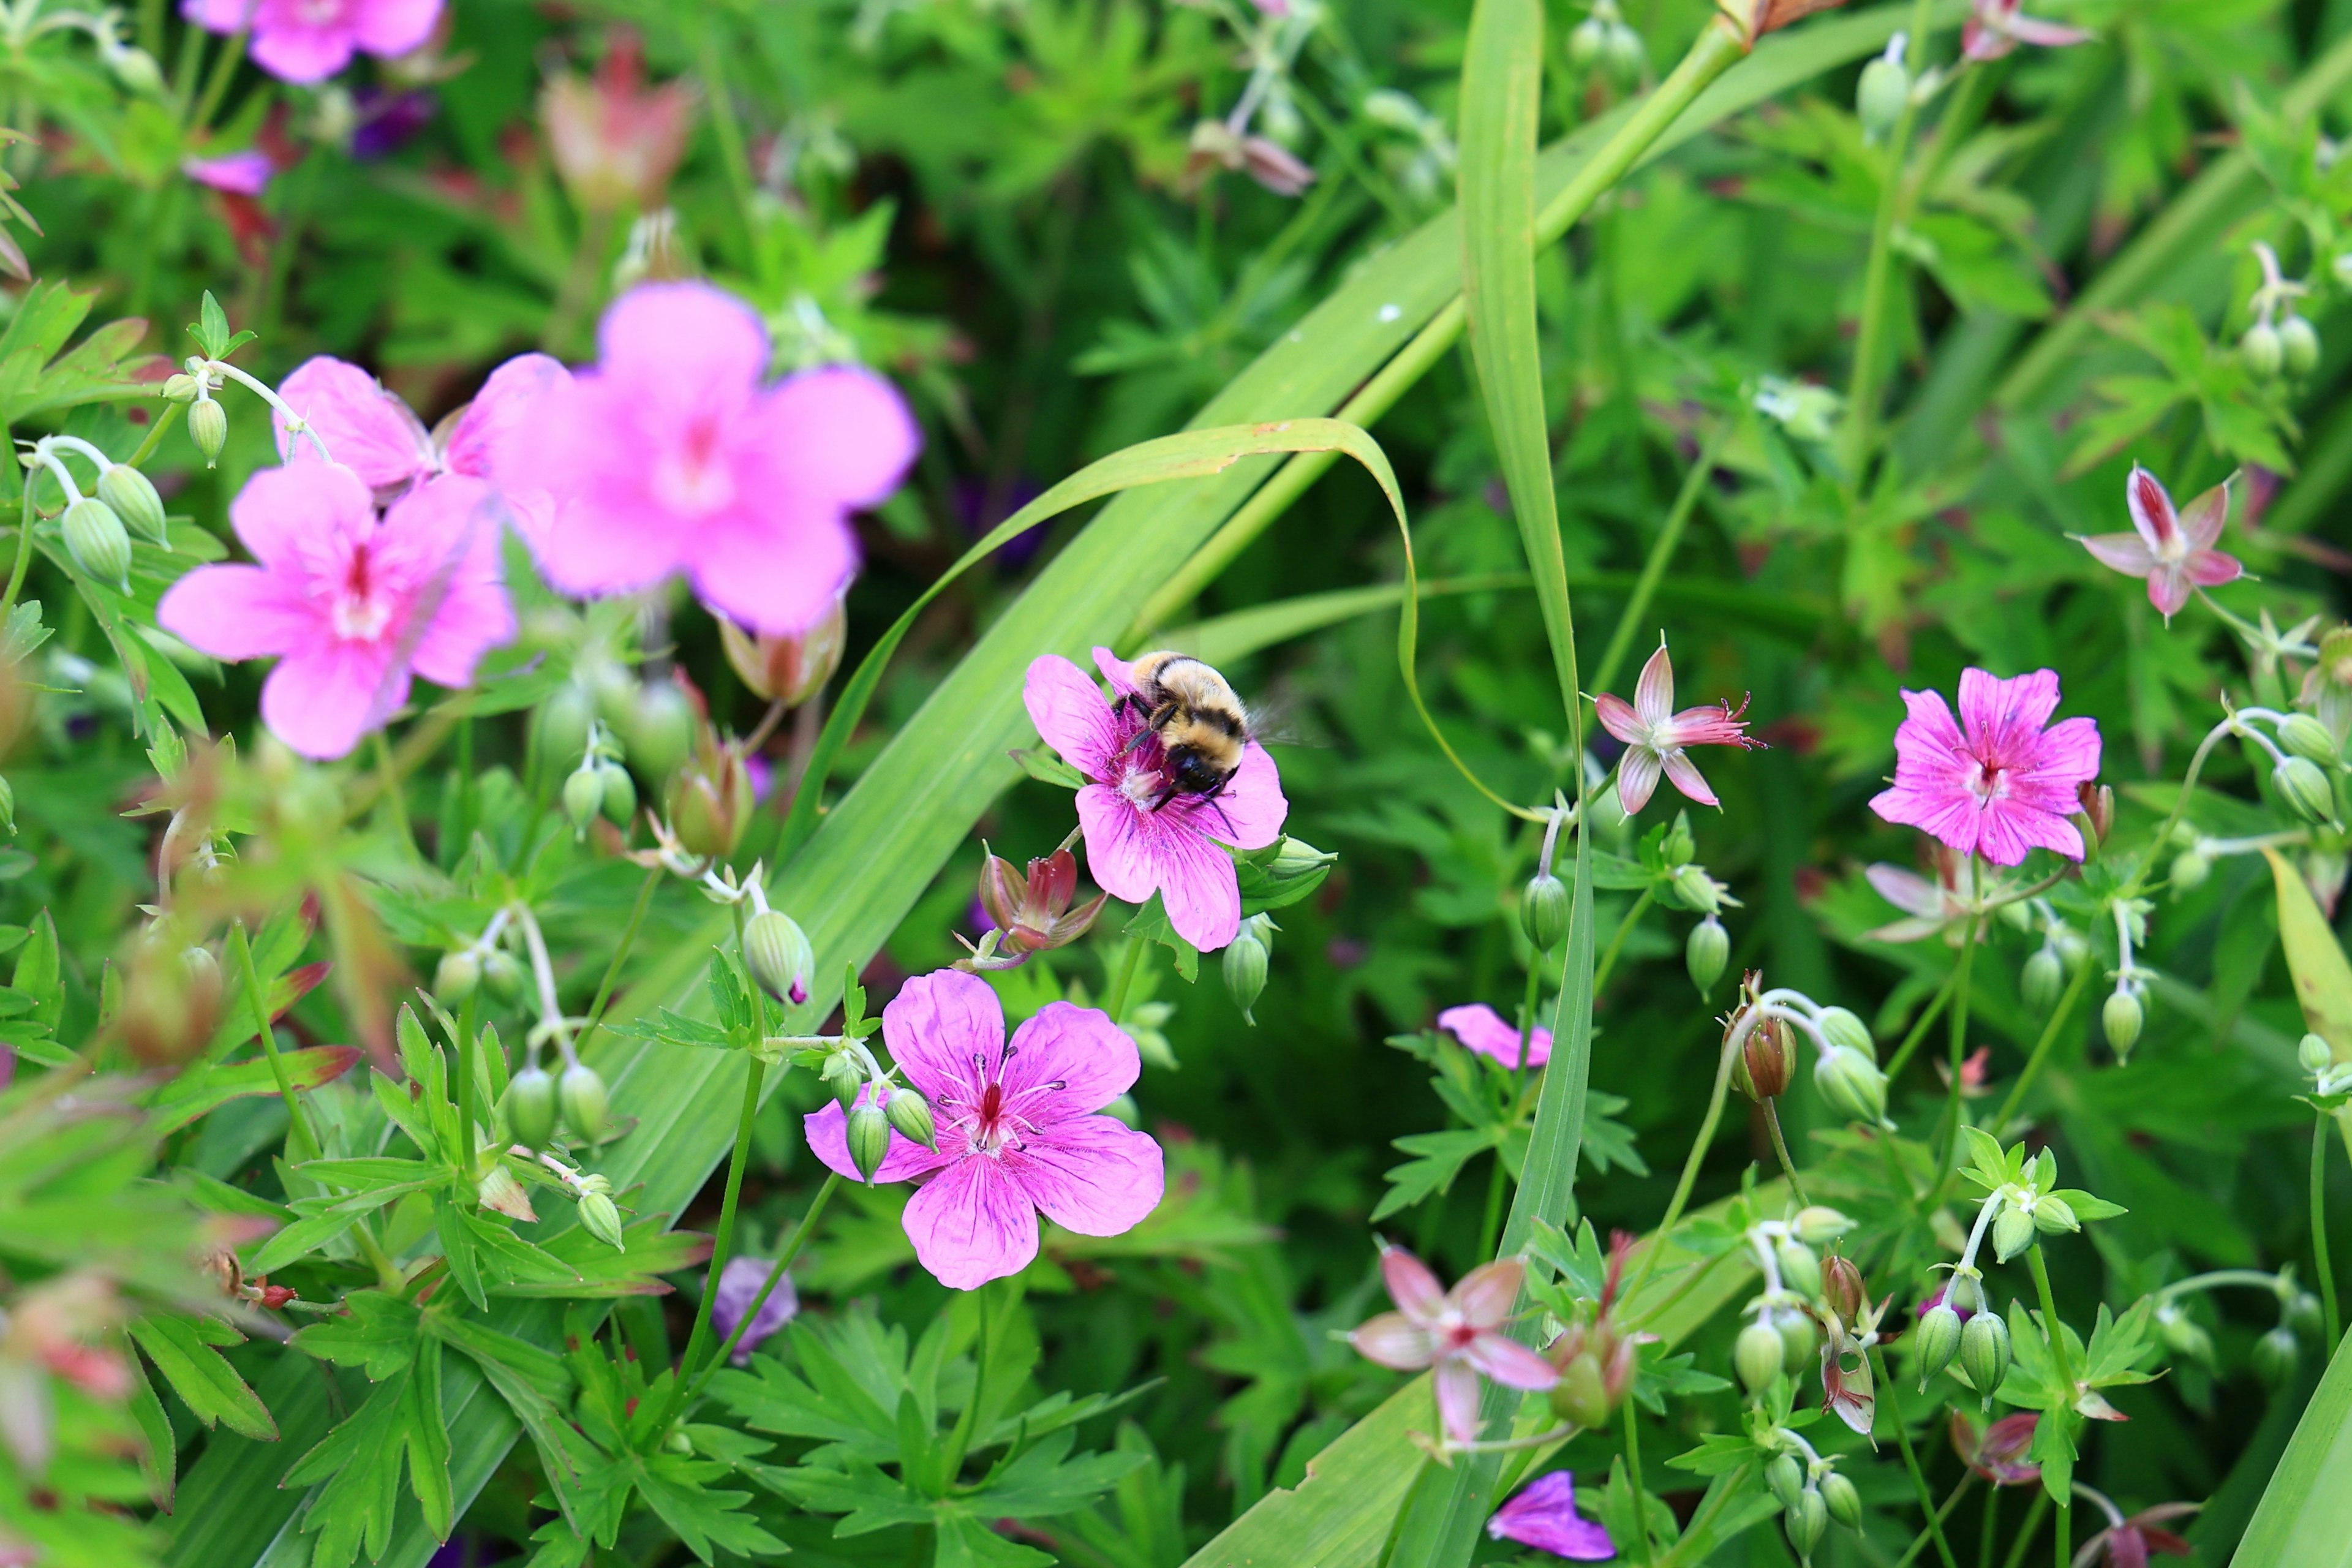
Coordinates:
(788, 669)
(2044, 978)
(2304, 1315)
(601, 1218)
(95, 539)
(2316, 1055)
(843, 1077)
(1033, 913)
(1245, 965)
(1806, 1522)
(1853, 1085)
(1589, 38)
(2275, 1355)
(208, 428)
(2186, 1339)
(1697, 889)
(1818, 1225)
(1800, 1269)
(1984, 1353)
(580, 1093)
(2097, 804)
(1843, 1290)
(2055, 1216)
(170, 1002)
(1706, 953)
(1937, 1339)
(2299, 346)
(910, 1113)
(2307, 737)
(584, 798)
(617, 792)
(2121, 1018)
(2013, 1232)
(1765, 1059)
(1845, 1502)
(1879, 98)
(1786, 1476)
(1842, 1028)
(1756, 1356)
(133, 496)
(1623, 54)
(2190, 869)
(179, 387)
(710, 803)
(1800, 1342)
(778, 953)
(530, 1107)
(1543, 911)
(2261, 350)
(455, 977)
(503, 974)
(559, 730)
(658, 727)
(869, 1139)
(1581, 1395)
(1678, 846)
(136, 69)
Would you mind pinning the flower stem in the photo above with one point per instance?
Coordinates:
(24, 551)
(1662, 554)
(1643, 1551)
(2057, 1021)
(301, 1141)
(2025, 1535)
(723, 1243)
(1731, 1043)
(1960, 1013)
(1929, 1531)
(2054, 1333)
(1781, 1147)
(224, 70)
(2320, 1264)
(1877, 278)
(1911, 1460)
(620, 956)
(1919, 1027)
(1616, 943)
(792, 1250)
(155, 430)
(396, 802)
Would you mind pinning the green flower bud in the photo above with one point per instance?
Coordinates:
(1800, 1269)
(1879, 97)
(844, 1077)
(869, 1139)
(203, 968)
(530, 1107)
(2121, 1018)
(583, 797)
(2261, 350)
(1756, 1356)
(1245, 965)
(2316, 1054)
(1806, 1523)
(133, 496)
(581, 1092)
(711, 804)
(679, 1440)
(1586, 41)
(659, 729)
(2304, 785)
(778, 953)
(1800, 1342)
(2186, 1339)
(1842, 1028)
(1697, 889)
(136, 69)
(601, 1219)
(179, 387)
(2276, 1355)
(910, 1113)
(95, 539)
(1581, 1395)
(2055, 1216)
(1844, 1499)
(1853, 1085)
(2044, 978)
(2304, 1315)
(559, 730)
(1678, 846)
(2307, 737)
(1706, 953)
(618, 794)
(1984, 1353)
(208, 428)
(1786, 1476)
(2013, 1232)
(1623, 54)
(2298, 346)
(1543, 911)
(1818, 1225)
(455, 977)
(502, 973)
(2190, 869)
(1937, 1341)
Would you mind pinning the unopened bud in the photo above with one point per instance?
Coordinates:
(617, 794)
(1800, 1269)
(134, 499)
(778, 953)
(1697, 889)
(711, 804)
(1678, 846)
(2013, 1232)
(1818, 1225)
(581, 1092)
(179, 387)
(1623, 54)
(659, 726)
(1984, 1353)
(2307, 737)
(1853, 1084)
(2097, 804)
(208, 428)
(1800, 1342)
(1543, 911)
(1766, 1060)
(559, 730)
(1586, 41)
(1937, 1341)
(2275, 1355)
(910, 1113)
(1844, 1499)
(844, 1077)
(1786, 1476)
(2261, 350)
(1842, 1028)
(584, 798)
(2316, 1054)
(788, 669)
(136, 69)
(2187, 1339)
(455, 977)
(1245, 965)
(1581, 1395)
(2055, 1216)
(2298, 346)
(2190, 869)
(2122, 1018)
(502, 973)
(1843, 1290)
(530, 1107)
(96, 540)
(1879, 98)
(1807, 1522)
(1756, 1356)
(2304, 1315)
(1706, 953)
(2044, 978)
(601, 1219)
(869, 1139)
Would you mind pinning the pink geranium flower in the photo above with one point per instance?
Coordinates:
(2174, 551)
(1655, 735)
(673, 455)
(1995, 27)
(1139, 839)
(243, 174)
(1482, 1029)
(1544, 1516)
(1458, 1332)
(351, 606)
(311, 40)
(1017, 1128)
(1998, 783)
(369, 430)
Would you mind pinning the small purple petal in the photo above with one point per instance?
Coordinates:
(738, 1287)
(1544, 1516)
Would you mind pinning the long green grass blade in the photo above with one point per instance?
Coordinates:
(2304, 1520)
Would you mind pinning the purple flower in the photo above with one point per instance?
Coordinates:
(1482, 1029)
(311, 40)
(1994, 27)
(1458, 1332)
(1544, 1516)
(350, 604)
(2174, 551)
(243, 173)
(1655, 735)
(1141, 839)
(1998, 783)
(739, 1286)
(672, 454)
(388, 119)
(1017, 1131)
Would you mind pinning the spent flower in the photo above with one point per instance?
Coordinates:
(1461, 1333)
(2173, 549)
(1657, 737)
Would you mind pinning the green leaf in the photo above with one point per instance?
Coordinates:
(1439, 1157)
(201, 1376)
(1150, 923)
(2304, 1520)
(2323, 979)
(210, 329)
(428, 1442)
(198, 1093)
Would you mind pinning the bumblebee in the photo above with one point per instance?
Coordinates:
(1203, 728)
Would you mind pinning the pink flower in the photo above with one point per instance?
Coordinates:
(1944, 905)
(672, 456)
(1459, 1332)
(1995, 27)
(350, 605)
(1655, 735)
(1999, 1453)
(1997, 783)
(2127, 1542)
(243, 174)
(1482, 1029)
(369, 430)
(1017, 1131)
(311, 40)
(1139, 839)
(2174, 551)
(1544, 1516)
(739, 1285)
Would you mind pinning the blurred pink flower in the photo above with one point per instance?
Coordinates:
(2127, 1543)
(1655, 735)
(1458, 1332)
(1141, 839)
(1998, 1454)
(1017, 1128)
(1997, 784)
(1544, 1516)
(738, 1287)
(671, 455)
(2173, 549)
(243, 173)
(615, 141)
(1944, 905)
(370, 431)
(311, 40)
(350, 604)
(1482, 1029)
(1995, 27)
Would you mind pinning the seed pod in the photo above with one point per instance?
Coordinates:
(2190, 869)
(1543, 911)
(2299, 346)
(96, 540)
(2316, 1055)
(2044, 978)
(530, 1107)
(179, 387)
(208, 428)
(1800, 1269)
(1853, 1085)
(910, 1113)
(1842, 1028)
(778, 953)
(559, 730)
(1843, 1290)
(1937, 1341)
(2275, 1355)
(503, 974)
(787, 669)
(2013, 1232)
(1623, 54)
(601, 1219)
(2187, 1339)
(711, 804)
(581, 1092)
(133, 496)
(1764, 1061)
(2055, 1216)
(1800, 1342)
(2304, 1315)
(136, 69)
(1806, 1522)
(659, 729)
(1706, 953)
(1589, 38)
(1581, 1395)
(2303, 784)
(1678, 846)
(455, 977)
(1697, 889)
(2121, 1018)
(1786, 1476)
(1756, 1356)
(2261, 350)
(1984, 1353)
(1818, 1225)
(843, 1076)
(1245, 965)
(583, 797)
(1845, 1502)
(869, 1139)
(1879, 97)
(2307, 737)
(679, 1440)
(618, 794)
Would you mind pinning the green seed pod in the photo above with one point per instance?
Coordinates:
(2055, 1216)
(208, 428)
(1800, 1269)
(679, 1440)
(1245, 966)
(559, 730)
(502, 973)
(910, 1113)
(1937, 1341)
(1807, 1522)
(2316, 1055)
(1678, 846)
(1801, 1343)
(2303, 784)
(2305, 1316)
(133, 496)
(1623, 56)
(2275, 1355)
(2190, 869)
(1879, 97)
(1818, 1225)
(179, 387)
(1853, 1085)
(1756, 1356)
(1842, 1028)
(1581, 1395)
(659, 729)
(1697, 889)
(96, 540)
(1984, 1353)
(778, 953)
(530, 1107)
(2013, 1232)
(601, 1219)
(581, 1092)
(710, 804)
(2307, 737)
(1586, 41)
(455, 977)
(869, 1139)
(583, 797)
(2261, 350)
(2122, 1018)
(204, 969)
(1543, 911)
(1786, 1476)
(1706, 953)
(843, 1077)
(2186, 1339)
(2044, 978)
(2299, 346)
(136, 69)
(1845, 1502)
(618, 794)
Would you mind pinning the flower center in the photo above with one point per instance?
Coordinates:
(319, 13)
(362, 609)
(1990, 783)
(694, 478)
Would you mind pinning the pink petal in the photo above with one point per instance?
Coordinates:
(1949, 815)
(1482, 1029)
(2010, 828)
(1074, 718)
(282, 513)
(2168, 589)
(321, 699)
(1079, 1047)
(2151, 509)
(1198, 884)
(466, 599)
(236, 611)
(2211, 568)
(827, 1132)
(388, 28)
(1458, 1394)
(778, 571)
(298, 52)
(1997, 715)
(1091, 1175)
(367, 429)
(2067, 755)
(1654, 691)
(1544, 1516)
(1117, 670)
(1509, 1363)
(2201, 520)
(2046, 35)
(1411, 1286)
(843, 433)
(245, 173)
(1928, 727)
(1685, 776)
(2126, 553)
(1392, 1339)
(217, 15)
(1486, 1294)
(677, 346)
(1617, 716)
(1637, 778)
(972, 1223)
(577, 448)
(1120, 851)
(1249, 812)
(505, 403)
(1907, 891)
(940, 1027)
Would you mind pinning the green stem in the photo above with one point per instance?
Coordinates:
(395, 800)
(156, 428)
(1691, 1163)
(1911, 1462)
(792, 1250)
(723, 1244)
(224, 69)
(1662, 556)
(2320, 1264)
(572, 294)
(23, 550)
(1990, 1531)
(620, 956)
(2073, 994)
(2254, 1278)
(728, 131)
(2055, 1335)
(1929, 1531)
(1781, 1147)
(1919, 1027)
(1132, 960)
(1960, 1046)
(2025, 1536)
(1633, 1474)
(301, 1141)
(1877, 278)
(1616, 943)
(466, 1084)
